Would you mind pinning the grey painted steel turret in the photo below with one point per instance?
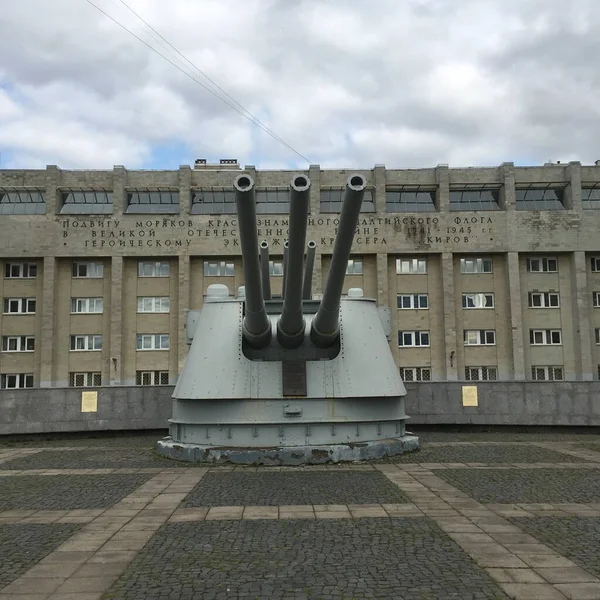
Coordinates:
(264, 270)
(291, 324)
(325, 328)
(308, 273)
(256, 325)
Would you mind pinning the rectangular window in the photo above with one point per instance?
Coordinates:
(406, 339)
(332, 199)
(595, 264)
(597, 335)
(355, 266)
(152, 201)
(411, 266)
(272, 201)
(481, 373)
(20, 270)
(22, 202)
(415, 373)
(19, 306)
(409, 200)
(542, 264)
(85, 379)
(275, 268)
(153, 304)
(412, 301)
(87, 305)
(540, 199)
(479, 300)
(475, 265)
(596, 299)
(86, 342)
(547, 373)
(545, 337)
(152, 378)
(86, 202)
(475, 199)
(220, 269)
(590, 198)
(153, 269)
(148, 341)
(543, 300)
(94, 270)
(213, 201)
(15, 381)
(18, 343)
(477, 337)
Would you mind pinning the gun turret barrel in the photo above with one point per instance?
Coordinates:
(264, 270)
(285, 262)
(256, 328)
(325, 327)
(291, 325)
(308, 273)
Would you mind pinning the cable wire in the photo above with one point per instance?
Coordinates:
(250, 118)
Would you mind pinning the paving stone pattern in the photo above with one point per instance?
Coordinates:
(66, 492)
(488, 453)
(23, 546)
(511, 486)
(110, 440)
(577, 538)
(595, 446)
(284, 488)
(139, 458)
(330, 559)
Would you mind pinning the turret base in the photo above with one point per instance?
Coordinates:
(287, 455)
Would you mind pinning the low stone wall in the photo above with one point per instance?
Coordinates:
(531, 403)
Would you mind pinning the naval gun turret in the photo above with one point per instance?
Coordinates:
(290, 379)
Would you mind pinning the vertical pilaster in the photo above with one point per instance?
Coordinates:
(314, 174)
(581, 316)
(382, 280)
(185, 190)
(116, 358)
(442, 179)
(379, 177)
(51, 193)
(183, 307)
(573, 189)
(515, 309)
(47, 304)
(118, 192)
(317, 287)
(450, 334)
(507, 193)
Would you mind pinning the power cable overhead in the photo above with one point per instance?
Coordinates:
(243, 112)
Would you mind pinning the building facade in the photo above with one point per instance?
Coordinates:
(490, 273)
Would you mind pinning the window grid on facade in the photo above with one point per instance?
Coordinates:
(153, 304)
(151, 341)
(479, 337)
(407, 200)
(596, 299)
(18, 343)
(152, 201)
(275, 268)
(213, 201)
(595, 264)
(153, 269)
(22, 202)
(19, 306)
(481, 373)
(540, 198)
(88, 269)
(152, 378)
(220, 268)
(15, 381)
(406, 301)
(475, 265)
(87, 305)
(542, 264)
(272, 201)
(545, 337)
(478, 300)
(88, 342)
(411, 266)
(590, 198)
(407, 339)
(354, 267)
(475, 199)
(332, 199)
(85, 379)
(20, 270)
(86, 202)
(553, 373)
(543, 300)
(415, 373)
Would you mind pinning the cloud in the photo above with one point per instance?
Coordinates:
(409, 83)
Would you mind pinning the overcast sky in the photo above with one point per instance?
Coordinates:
(346, 83)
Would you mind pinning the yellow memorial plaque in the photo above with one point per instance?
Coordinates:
(469, 395)
(89, 401)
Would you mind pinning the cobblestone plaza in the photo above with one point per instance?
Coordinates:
(469, 516)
